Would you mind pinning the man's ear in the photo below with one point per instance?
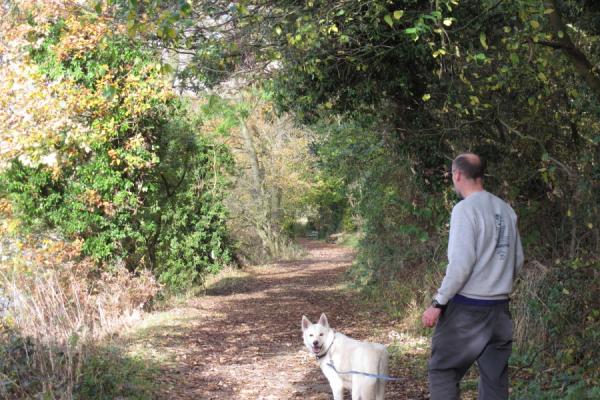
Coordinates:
(323, 320)
(305, 323)
(459, 175)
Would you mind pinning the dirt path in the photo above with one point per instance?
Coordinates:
(242, 340)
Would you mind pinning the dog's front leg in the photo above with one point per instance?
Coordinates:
(338, 390)
(337, 386)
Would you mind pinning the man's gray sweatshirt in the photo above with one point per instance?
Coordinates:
(484, 249)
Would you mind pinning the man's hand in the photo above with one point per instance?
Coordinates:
(431, 316)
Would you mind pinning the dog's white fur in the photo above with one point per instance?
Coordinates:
(346, 354)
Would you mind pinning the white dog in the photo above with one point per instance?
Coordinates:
(346, 354)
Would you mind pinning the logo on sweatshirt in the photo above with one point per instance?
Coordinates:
(503, 238)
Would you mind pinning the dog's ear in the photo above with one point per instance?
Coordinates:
(305, 323)
(323, 321)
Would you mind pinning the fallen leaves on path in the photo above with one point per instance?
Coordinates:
(243, 340)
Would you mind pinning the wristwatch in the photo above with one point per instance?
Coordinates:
(435, 304)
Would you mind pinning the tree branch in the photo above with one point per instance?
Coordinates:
(554, 45)
(578, 59)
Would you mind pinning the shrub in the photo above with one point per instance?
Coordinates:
(62, 307)
(123, 166)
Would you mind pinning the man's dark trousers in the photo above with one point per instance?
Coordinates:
(467, 333)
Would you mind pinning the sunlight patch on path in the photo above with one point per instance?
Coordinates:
(242, 339)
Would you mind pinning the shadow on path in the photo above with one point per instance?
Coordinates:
(243, 339)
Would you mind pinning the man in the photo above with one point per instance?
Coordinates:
(471, 306)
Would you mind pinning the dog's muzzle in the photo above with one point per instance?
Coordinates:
(316, 348)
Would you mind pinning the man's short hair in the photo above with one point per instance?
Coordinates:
(470, 165)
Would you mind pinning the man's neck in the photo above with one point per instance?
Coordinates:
(472, 190)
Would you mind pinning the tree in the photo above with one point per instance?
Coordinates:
(99, 148)
(439, 77)
(274, 170)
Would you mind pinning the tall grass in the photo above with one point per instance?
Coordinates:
(529, 326)
(62, 309)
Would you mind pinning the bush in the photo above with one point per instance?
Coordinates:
(129, 174)
(62, 307)
(557, 318)
(107, 374)
(102, 373)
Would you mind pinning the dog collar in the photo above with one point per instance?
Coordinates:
(319, 356)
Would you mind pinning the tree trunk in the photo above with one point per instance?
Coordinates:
(254, 164)
(578, 59)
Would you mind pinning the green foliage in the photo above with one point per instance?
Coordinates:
(553, 385)
(573, 314)
(147, 191)
(103, 373)
(397, 89)
(108, 375)
(360, 63)
(15, 365)
(556, 362)
(397, 214)
(400, 88)
(328, 201)
(398, 95)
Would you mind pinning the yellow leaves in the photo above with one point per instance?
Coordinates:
(483, 40)
(94, 201)
(39, 119)
(34, 114)
(114, 156)
(92, 198)
(32, 20)
(51, 123)
(474, 100)
(388, 20)
(13, 225)
(136, 142)
(81, 36)
(5, 208)
(38, 116)
(140, 92)
(534, 24)
(282, 150)
(439, 52)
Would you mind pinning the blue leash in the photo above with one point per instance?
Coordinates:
(384, 377)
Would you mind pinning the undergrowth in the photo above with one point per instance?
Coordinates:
(556, 313)
(57, 328)
(30, 369)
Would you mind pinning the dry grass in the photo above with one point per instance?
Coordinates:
(528, 323)
(64, 306)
